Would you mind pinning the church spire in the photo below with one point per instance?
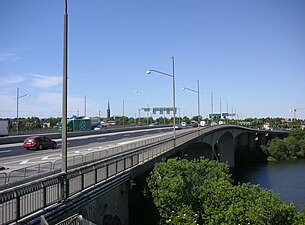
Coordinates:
(108, 110)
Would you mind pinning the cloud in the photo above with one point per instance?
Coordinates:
(14, 79)
(42, 81)
(9, 55)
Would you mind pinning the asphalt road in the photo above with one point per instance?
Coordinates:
(14, 156)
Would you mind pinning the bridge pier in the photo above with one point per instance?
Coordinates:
(110, 208)
(226, 149)
(262, 140)
(251, 141)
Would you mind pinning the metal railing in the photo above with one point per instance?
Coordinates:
(25, 200)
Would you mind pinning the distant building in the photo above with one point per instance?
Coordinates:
(108, 111)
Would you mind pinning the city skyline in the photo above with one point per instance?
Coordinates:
(249, 54)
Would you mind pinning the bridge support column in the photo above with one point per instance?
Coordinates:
(227, 150)
(251, 141)
(243, 141)
(262, 140)
(110, 208)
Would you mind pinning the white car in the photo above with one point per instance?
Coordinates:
(100, 127)
(178, 127)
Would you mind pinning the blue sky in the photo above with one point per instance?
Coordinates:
(250, 54)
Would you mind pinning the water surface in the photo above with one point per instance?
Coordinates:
(286, 178)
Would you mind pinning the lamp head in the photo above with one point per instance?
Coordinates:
(148, 72)
(136, 91)
(182, 89)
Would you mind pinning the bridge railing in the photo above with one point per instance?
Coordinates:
(23, 203)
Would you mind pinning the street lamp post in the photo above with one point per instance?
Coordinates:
(147, 113)
(85, 106)
(198, 100)
(18, 97)
(64, 93)
(123, 116)
(174, 93)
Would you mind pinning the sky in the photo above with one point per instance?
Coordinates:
(249, 54)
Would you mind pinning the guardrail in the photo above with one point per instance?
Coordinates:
(24, 200)
(56, 135)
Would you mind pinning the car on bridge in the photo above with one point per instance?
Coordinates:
(178, 127)
(100, 127)
(39, 142)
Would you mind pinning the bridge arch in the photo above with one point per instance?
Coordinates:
(224, 143)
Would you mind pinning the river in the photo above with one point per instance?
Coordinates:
(286, 178)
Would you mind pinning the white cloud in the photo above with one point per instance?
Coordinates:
(11, 80)
(11, 54)
(42, 81)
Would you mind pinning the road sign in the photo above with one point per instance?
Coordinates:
(163, 109)
(214, 115)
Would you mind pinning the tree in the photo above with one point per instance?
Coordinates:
(201, 192)
(289, 148)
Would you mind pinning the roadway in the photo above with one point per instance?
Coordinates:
(14, 156)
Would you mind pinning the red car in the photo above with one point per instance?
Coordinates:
(39, 142)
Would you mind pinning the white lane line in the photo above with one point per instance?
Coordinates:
(77, 151)
(45, 158)
(89, 149)
(100, 147)
(24, 162)
(5, 151)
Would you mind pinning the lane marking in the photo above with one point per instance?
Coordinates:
(45, 158)
(5, 151)
(77, 151)
(89, 149)
(24, 162)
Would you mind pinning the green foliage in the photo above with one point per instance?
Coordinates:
(289, 148)
(201, 192)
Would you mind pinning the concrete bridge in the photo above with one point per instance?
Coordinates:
(100, 190)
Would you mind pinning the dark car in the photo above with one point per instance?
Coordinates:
(194, 123)
(39, 142)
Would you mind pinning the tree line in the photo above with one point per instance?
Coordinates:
(291, 147)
